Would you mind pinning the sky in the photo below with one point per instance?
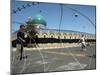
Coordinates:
(52, 15)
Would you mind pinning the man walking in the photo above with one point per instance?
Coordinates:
(83, 43)
(21, 40)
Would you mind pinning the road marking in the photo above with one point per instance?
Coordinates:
(40, 62)
(63, 53)
(76, 59)
(24, 67)
(90, 62)
(69, 66)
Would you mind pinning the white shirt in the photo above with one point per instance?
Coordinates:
(83, 40)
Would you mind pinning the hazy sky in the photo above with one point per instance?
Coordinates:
(52, 12)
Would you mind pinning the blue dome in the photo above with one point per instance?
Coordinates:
(39, 20)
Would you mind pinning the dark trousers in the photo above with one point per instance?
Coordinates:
(21, 51)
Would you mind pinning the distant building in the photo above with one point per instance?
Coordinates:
(38, 31)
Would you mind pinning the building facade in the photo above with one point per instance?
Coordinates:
(37, 30)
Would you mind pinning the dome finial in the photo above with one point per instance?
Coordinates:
(29, 18)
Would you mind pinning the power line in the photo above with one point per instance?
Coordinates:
(14, 11)
(86, 17)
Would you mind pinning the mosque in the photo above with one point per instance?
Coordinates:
(39, 33)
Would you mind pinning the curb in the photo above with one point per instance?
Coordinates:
(43, 48)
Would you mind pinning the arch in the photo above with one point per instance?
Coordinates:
(64, 37)
(37, 35)
(52, 35)
(45, 35)
(70, 36)
(58, 37)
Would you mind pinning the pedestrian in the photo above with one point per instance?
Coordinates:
(20, 40)
(83, 43)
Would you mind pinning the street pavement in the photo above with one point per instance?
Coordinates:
(54, 60)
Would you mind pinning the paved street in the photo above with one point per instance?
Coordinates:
(63, 59)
